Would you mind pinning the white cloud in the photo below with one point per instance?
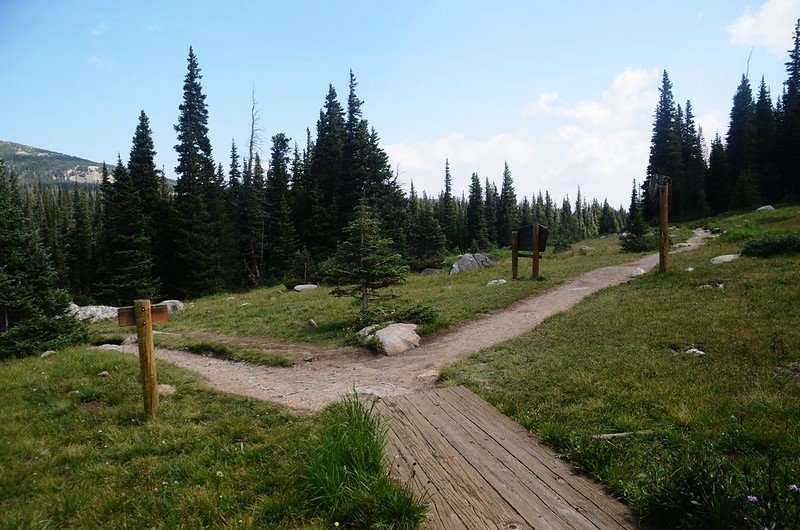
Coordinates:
(99, 29)
(599, 144)
(772, 26)
(154, 28)
(99, 63)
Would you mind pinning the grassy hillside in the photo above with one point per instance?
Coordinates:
(718, 443)
(281, 314)
(32, 164)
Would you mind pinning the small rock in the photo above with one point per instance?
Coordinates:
(231, 298)
(585, 251)
(727, 258)
(695, 351)
(683, 245)
(309, 358)
(430, 272)
(689, 269)
(304, 287)
(104, 373)
(765, 208)
(496, 282)
(245, 303)
(312, 323)
(130, 339)
(369, 330)
(173, 305)
(47, 354)
(166, 390)
(638, 271)
(716, 231)
(397, 338)
(428, 374)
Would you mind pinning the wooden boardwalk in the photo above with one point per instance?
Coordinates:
(479, 469)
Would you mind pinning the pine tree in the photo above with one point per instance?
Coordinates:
(196, 262)
(81, 248)
(507, 213)
(490, 206)
(789, 123)
(718, 178)
(525, 212)
(476, 236)
(608, 221)
(636, 237)
(33, 312)
(693, 204)
(445, 212)
(765, 154)
(364, 262)
(665, 149)
(281, 239)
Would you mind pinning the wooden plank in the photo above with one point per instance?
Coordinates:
(450, 476)
(404, 469)
(514, 491)
(126, 316)
(562, 476)
(522, 488)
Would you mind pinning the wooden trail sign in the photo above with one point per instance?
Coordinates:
(527, 242)
(662, 184)
(143, 315)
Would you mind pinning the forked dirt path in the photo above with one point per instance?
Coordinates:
(320, 376)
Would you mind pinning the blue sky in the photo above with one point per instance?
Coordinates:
(563, 91)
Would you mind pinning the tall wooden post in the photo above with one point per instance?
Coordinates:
(535, 250)
(147, 357)
(514, 257)
(663, 223)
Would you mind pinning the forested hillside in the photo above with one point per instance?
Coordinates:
(32, 165)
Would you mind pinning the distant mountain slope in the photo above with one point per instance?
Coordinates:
(32, 164)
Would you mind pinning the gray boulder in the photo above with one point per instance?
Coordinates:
(469, 262)
(765, 208)
(304, 287)
(397, 338)
(173, 305)
(727, 258)
(93, 313)
(585, 251)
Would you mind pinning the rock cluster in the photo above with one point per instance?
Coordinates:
(469, 262)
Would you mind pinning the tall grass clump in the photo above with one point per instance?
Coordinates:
(772, 245)
(345, 481)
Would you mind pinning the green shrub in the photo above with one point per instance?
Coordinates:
(644, 243)
(345, 481)
(772, 245)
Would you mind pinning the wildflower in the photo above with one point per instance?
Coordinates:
(794, 488)
(752, 498)
(336, 524)
(219, 474)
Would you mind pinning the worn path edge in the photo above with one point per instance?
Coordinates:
(309, 386)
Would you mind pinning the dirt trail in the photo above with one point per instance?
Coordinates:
(312, 384)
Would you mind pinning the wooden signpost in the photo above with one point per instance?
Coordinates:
(662, 184)
(527, 242)
(143, 316)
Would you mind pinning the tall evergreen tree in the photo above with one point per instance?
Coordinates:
(740, 147)
(281, 239)
(693, 203)
(476, 236)
(507, 213)
(446, 209)
(490, 206)
(765, 155)
(196, 264)
(789, 124)
(718, 178)
(81, 248)
(665, 148)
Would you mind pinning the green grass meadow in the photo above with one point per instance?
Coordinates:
(724, 451)
(282, 314)
(76, 452)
